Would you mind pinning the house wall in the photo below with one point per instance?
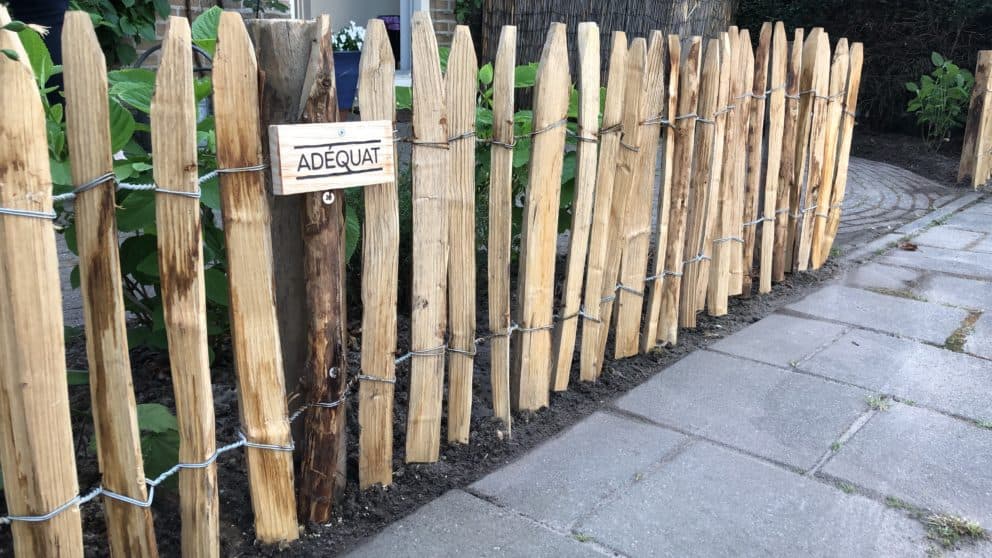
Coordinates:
(343, 11)
(443, 15)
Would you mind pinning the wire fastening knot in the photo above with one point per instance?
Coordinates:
(729, 239)
(611, 129)
(435, 351)
(464, 135)
(368, 378)
(258, 445)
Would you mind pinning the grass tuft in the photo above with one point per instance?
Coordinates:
(878, 402)
(949, 530)
(957, 339)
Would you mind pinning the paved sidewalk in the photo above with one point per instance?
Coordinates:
(833, 427)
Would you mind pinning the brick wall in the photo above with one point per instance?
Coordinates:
(443, 15)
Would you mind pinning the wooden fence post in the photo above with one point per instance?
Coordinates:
(802, 146)
(36, 445)
(582, 207)
(820, 56)
(180, 255)
(698, 201)
(630, 300)
(788, 189)
(844, 151)
(835, 106)
(500, 219)
(976, 127)
(776, 129)
(430, 246)
(649, 337)
(536, 276)
(685, 134)
(380, 257)
(462, 88)
(739, 187)
(627, 170)
(755, 136)
(609, 146)
(129, 528)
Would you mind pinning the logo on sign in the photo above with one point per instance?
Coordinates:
(338, 158)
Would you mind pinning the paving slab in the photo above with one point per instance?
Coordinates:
(566, 477)
(979, 341)
(785, 416)
(930, 258)
(924, 458)
(938, 378)
(948, 237)
(873, 275)
(713, 502)
(779, 339)
(902, 316)
(459, 524)
(971, 220)
(966, 293)
(983, 245)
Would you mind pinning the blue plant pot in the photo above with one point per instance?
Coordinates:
(346, 75)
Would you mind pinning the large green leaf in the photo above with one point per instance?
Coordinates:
(154, 417)
(216, 286)
(353, 231)
(121, 126)
(38, 56)
(137, 94)
(204, 29)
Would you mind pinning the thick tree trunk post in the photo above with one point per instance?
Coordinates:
(36, 447)
(180, 256)
(129, 528)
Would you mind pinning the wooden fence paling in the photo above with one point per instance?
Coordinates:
(650, 336)
(801, 163)
(976, 131)
(36, 444)
(609, 147)
(714, 208)
(323, 468)
(776, 130)
(630, 145)
(739, 187)
(430, 246)
(754, 155)
(634, 261)
(685, 133)
(835, 106)
(585, 184)
(380, 257)
(820, 53)
(462, 87)
(718, 282)
(698, 201)
(129, 528)
(180, 254)
(788, 188)
(500, 219)
(844, 151)
(532, 352)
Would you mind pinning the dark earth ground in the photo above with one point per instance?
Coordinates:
(364, 513)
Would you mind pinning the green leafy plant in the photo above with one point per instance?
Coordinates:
(122, 24)
(940, 100)
(464, 9)
(349, 38)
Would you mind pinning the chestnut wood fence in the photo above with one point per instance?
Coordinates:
(976, 151)
(752, 143)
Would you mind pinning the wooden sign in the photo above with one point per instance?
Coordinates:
(330, 156)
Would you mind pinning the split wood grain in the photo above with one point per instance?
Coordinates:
(531, 378)
(609, 147)
(500, 222)
(431, 174)
(649, 337)
(462, 87)
(787, 203)
(129, 528)
(835, 107)
(685, 134)
(802, 146)
(755, 149)
(627, 170)
(776, 131)
(844, 151)
(637, 238)
(323, 467)
(739, 190)
(380, 258)
(698, 201)
(180, 255)
(976, 130)
(820, 52)
(582, 209)
(36, 443)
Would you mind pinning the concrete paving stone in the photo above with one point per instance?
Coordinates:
(779, 339)
(979, 341)
(930, 258)
(938, 378)
(893, 314)
(947, 237)
(971, 220)
(459, 524)
(983, 245)
(713, 502)
(924, 458)
(568, 476)
(873, 275)
(946, 289)
(784, 416)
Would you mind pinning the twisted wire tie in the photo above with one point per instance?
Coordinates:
(624, 288)
(628, 147)
(697, 259)
(729, 239)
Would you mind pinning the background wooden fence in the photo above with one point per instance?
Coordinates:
(976, 151)
(752, 145)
